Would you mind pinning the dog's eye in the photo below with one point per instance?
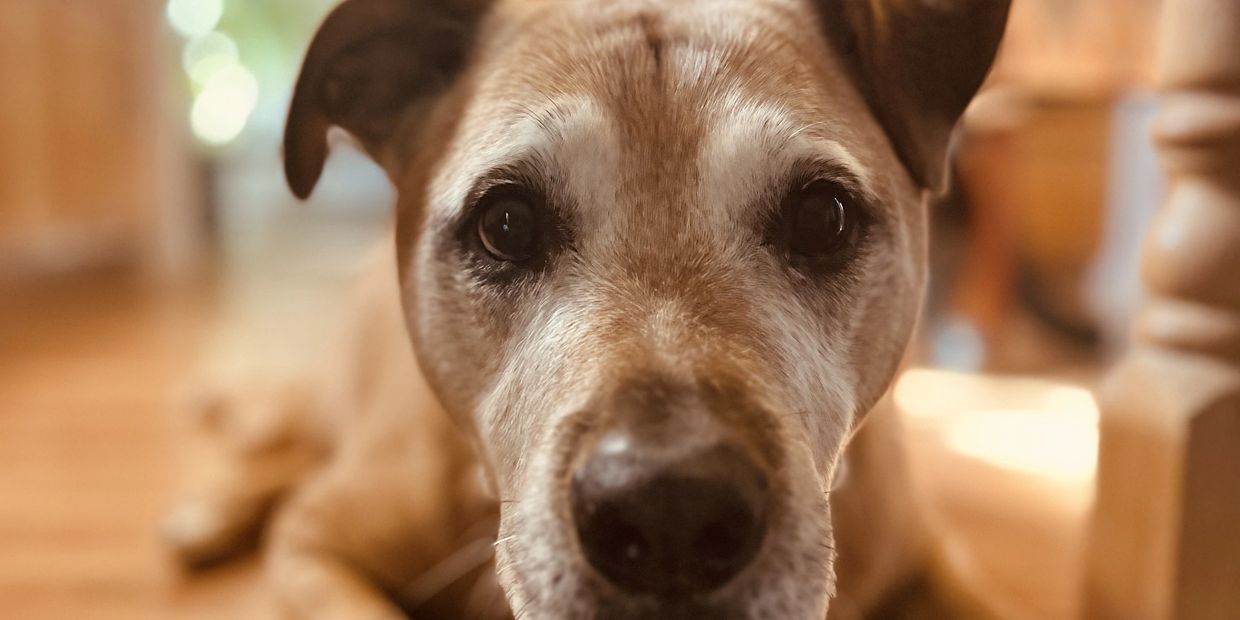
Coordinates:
(508, 229)
(821, 220)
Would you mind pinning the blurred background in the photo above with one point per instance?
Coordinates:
(145, 227)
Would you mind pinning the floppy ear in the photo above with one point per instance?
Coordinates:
(372, 63)
(918, 63)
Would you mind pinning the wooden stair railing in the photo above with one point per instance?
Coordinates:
(1165, 536)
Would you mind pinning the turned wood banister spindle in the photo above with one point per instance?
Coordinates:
(1165, 538)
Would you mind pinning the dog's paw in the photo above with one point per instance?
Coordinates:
(245, 445)
(202, 531)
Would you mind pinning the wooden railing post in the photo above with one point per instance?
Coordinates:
(1165, 538)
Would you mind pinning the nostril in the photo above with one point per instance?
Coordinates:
(718, 543)
(619, 543)
(670, 529)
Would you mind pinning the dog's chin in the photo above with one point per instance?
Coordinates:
(600, 605)
(797, 595)
(670, 610)
(607, 608)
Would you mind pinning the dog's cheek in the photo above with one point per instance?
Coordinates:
(810, 376)
(797, 578)
(453, 344)
(887, 306)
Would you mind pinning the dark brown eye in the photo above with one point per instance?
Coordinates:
(821, 221)
(508, 230)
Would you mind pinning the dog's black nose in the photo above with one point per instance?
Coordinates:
(668, 523)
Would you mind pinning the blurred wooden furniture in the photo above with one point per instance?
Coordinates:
(1078, 49)
(1165, 539)
(1036, 170)
(92, 167)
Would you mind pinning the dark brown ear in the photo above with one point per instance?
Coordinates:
(918, 63)
(370, 64)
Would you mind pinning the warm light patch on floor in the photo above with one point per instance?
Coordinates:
(1031, 426)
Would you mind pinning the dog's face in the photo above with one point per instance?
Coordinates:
(660, 257)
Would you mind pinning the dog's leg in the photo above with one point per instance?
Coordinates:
(391, 507)
(315, 584)
(253, 441)
(400, 491)
(267, 411)
(879, 529)
(265, 417)
(322, 558)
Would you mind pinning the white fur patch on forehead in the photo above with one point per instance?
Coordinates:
(571, 138)
(751, 143)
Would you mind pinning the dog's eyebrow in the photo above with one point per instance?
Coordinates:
(551, 117)
(830, 159)
(811, 146)
(756, 145)
(835, 163)
(524, 172)
(527, 142)
(832, 169)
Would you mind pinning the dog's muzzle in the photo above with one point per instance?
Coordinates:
(667, 503)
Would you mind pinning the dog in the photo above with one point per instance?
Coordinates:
(654, 264)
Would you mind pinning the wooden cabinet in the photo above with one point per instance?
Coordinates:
(92, 167)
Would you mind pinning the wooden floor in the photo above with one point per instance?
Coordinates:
(88, 461)
(87, 458)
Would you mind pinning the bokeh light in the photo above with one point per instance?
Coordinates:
(1061, 445)
(1032, 426)
(209, 54)
(223, 108)
(226, 91)
(194, 18)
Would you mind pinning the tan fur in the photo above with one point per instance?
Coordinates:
(659, 129)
